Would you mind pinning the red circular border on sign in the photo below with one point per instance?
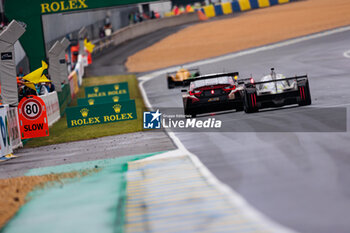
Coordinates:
(24, 113)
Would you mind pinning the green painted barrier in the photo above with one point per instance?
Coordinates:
(101, 113)
(102, 100)
(119, 89)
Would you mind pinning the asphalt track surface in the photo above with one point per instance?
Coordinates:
(86, 150)
(298, 176)
(111, 60)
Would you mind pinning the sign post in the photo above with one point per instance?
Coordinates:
(32, 115)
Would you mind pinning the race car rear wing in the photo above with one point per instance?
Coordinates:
(244, 80)
(303, 77)
(209, 76)
(190, 70)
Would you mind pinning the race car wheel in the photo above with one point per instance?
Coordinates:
(249, 102)
(305, 95)
(190, 114)
(171, 83)
(240, 108)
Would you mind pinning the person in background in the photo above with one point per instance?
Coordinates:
(50, 87)
(145, 16)
(176, 10)
(102, 33)
(135, 17)
(108, 27)
(131, 18)
(24, 90)
(157, 15)
(139, 17)
(20, 72)
(41, 89)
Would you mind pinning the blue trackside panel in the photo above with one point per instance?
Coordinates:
(235, 6)
(273, 2)
(202, 9)
(218, 10)
(254, 4)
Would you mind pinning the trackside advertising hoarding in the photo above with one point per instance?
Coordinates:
(102, 100)
(32, 114)
(119, 89)
(5, 143)
(13, 127)
(101, 113)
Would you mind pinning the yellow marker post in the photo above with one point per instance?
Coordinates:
(209, 11)
(264, 3)
(283, 1)
(226, 8)
(244, 5)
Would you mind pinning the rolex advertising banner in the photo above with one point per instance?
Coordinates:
(102, 100)
(101, 113)
(119, 89)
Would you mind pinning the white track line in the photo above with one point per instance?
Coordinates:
(347, 54)
(233, 196)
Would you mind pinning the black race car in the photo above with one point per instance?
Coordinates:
(214, 92)
(275, 90)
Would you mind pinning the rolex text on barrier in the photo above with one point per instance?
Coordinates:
(102, 100)
(32, 115)
(101, 113)
(119, 89)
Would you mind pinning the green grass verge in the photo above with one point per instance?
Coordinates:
(60, 133)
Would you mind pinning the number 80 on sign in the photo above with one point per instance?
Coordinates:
(31, 109)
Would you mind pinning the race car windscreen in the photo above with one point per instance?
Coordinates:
(212, 82)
